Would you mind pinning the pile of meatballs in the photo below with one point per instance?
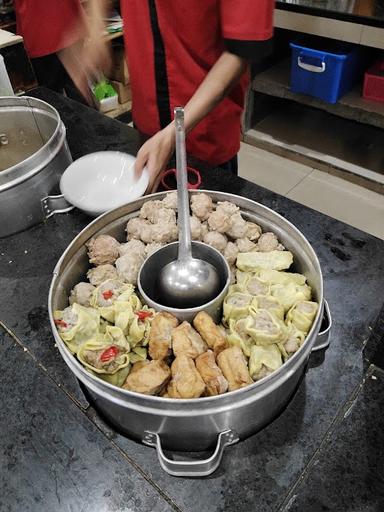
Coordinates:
(220, 225)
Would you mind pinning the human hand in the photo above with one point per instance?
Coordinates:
(86, 61)
(155, 153)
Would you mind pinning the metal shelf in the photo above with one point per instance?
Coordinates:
(275, 82)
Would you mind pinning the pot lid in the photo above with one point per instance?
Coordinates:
(29, 130)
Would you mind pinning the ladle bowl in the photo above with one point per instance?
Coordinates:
(148, 280)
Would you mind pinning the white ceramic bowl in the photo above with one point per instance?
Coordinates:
(102, 181)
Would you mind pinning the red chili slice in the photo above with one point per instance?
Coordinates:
(109, 353)
(143, 314)
(108, 294)
(61, 323)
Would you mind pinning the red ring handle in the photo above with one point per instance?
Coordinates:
(190, 170)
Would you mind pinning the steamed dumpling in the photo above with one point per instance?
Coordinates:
(82, 294)
(101, 273)
(230, 253)
(201, 206)
(219, 221)
(133, 246)
(128, 267)
(268, 242)
(103, 249)
(216, 240)
(238, 227)
(264, 361)
(302, 314)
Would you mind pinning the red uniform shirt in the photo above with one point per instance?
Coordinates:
(172, 44)
(48, 26)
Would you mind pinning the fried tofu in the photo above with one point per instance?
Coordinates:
(215, 382)
(233, 364)
(148, 377)
(186, 380)
(160, 335)
(210, 332)
(187, 341)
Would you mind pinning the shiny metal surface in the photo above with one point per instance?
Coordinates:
(33, 155)
(195, 468)
(185, 282)
(323, 338)
(190, 424)
(151, 294)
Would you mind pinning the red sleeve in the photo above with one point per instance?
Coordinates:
(250, 20)
(48, 26)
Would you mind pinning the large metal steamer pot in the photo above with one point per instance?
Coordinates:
(197, 424)
(33, 155)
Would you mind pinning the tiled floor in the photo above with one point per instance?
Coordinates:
(333, 196)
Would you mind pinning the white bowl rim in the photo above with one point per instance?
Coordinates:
(90, 208)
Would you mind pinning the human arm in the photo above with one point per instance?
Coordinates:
(156, 152)
(88, 58)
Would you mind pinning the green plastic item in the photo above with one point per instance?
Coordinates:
(103, 90)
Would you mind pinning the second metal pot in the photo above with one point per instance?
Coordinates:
(33, 155)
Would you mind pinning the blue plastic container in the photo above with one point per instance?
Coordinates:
(327, 75)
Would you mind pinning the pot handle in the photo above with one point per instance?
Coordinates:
(55, 204)
(322, 340)
(196, 468)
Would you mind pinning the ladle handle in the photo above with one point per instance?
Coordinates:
(184, 222)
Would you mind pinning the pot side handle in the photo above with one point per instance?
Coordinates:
(55, 204)
(194, 468)
(322, 340)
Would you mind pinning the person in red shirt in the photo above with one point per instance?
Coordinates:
(196, 55)
(49, 44)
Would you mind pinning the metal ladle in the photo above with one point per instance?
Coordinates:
(187, 281)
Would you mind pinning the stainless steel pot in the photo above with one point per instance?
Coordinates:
(33, 155)
(196, 424)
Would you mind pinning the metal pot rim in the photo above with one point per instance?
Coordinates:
(59, 133)
(203, 401)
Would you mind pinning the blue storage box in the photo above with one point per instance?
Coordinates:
(326, 73)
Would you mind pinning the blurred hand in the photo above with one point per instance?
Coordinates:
(155, 154)
(87, 60)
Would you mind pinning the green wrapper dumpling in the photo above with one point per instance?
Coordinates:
(293, 341)
(138, 354)
(279, 277)
(253, 261)
(114, 334)
(289, 294)
(302, 314)
(117, 379)
(123, 315)
(264, 360)
(236, 305)
(77, 324)
(264, 328)
(140, 326)
(238, 336)
(101, 356)
(249, 282)
(270, 303)
(108, 292)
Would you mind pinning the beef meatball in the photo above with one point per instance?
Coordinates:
(103, 249)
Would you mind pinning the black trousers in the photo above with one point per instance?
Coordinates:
(51, 73)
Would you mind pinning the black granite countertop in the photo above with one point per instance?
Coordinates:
(364, 12)
(324, 452)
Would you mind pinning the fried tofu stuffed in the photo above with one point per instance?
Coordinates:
(210, 332)
(186, 380)
(233, 364)
(215, 382)
(161, 335)
(185, 340)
